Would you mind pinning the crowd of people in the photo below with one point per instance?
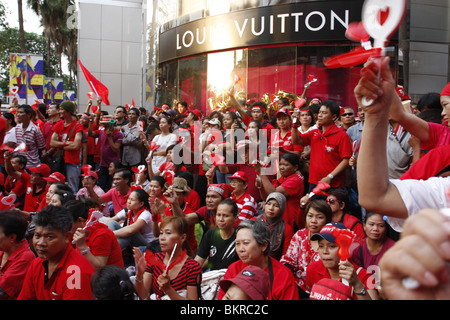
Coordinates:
(245, 203)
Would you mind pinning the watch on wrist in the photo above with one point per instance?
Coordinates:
(362, 292)
(331, 176)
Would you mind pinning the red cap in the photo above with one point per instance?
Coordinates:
(56, 177)
(253, 280)
(42, 168)
(90, 173)
(284, 111)
(198, 113)
(239, 175)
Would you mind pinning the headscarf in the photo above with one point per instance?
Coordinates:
(276, 226)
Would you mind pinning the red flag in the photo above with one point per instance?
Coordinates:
(132, 102)
(99, 88)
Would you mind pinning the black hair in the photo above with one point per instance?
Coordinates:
(136, 110)
(62, 187)
(340, 194)
(126, 174)
(13, 222)
(431, 100)
(333, 107)
(310, 113)
(161, 181)
(322, 206)
(261, 104)
(77, 208)
(188, 176)
(292, 159)
(183, 103)
(142, 197)
(65, 196)
(10, 116)
(21, 159)
(54, 218)
(123, 109)
(112, 282)
(230, 202)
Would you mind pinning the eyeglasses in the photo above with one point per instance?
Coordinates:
(331, 201)
(347, 114)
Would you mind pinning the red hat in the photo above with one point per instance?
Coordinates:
(284, 111)
(329, 289)
(90, 173)
(198, 113)
(446, 90)
(55, 177)
(222, 188)
(42, 168)
(253, 280)
(239, 175)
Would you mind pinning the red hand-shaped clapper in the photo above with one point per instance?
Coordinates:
(344, 239)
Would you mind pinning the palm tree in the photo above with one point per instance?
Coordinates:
(21, 29)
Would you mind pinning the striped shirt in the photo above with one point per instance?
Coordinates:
(247, 207)
(190, 274)
(34, 140)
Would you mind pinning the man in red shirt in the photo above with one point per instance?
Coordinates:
(96, 242)
(67, 135)
(118, 194)
(37, 187)
(330, 148)
(59, 272)
(17, 180)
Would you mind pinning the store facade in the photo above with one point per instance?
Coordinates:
(270, 49)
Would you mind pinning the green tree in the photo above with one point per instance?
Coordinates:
(34, 44)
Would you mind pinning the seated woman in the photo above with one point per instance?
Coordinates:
(15, 253)
(280, 232)
(138, 228)
(329, 266)
(376, 243)
(290, 184)
(301, 252)
(217, 248)
(60, 197)
(252, 247)
(172, 273)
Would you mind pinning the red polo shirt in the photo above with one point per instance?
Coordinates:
(103, 242)
(70, 280)
(33, 199)
(14, 270)
(327, 151)
(294, 187)
(119, 201)
(72, 156)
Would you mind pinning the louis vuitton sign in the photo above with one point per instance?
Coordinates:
(296, 22)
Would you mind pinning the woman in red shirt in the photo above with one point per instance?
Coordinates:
(290, 184)
(171, 274)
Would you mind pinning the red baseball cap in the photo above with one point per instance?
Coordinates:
(253, 280)
(42, 169)
(239, 175)
(90, 173)
(284, 111)
(55, 177)
(198, 113)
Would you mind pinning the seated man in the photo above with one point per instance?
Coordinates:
(59, 272)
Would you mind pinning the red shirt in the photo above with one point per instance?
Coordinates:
(192, 241)
(283, 286)
(193, 200)
(19, 187)
(439, 135)
(317, 271)
(32, 199)
(70, 280)
(119, 201)
(47, 132)
(103, 242)
(429, 165)
(327, 151)
(294, 187)
(14, 270)
(72, 156)
(284, 142)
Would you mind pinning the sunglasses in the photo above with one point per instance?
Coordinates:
(331, 201)
(347, 114)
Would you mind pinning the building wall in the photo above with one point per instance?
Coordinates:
(429, 66)
(111, 45)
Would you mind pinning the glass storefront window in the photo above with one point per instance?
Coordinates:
(192, 82)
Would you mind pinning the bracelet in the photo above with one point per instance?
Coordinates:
(331, 176)
(139, 280)
(85, 251)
